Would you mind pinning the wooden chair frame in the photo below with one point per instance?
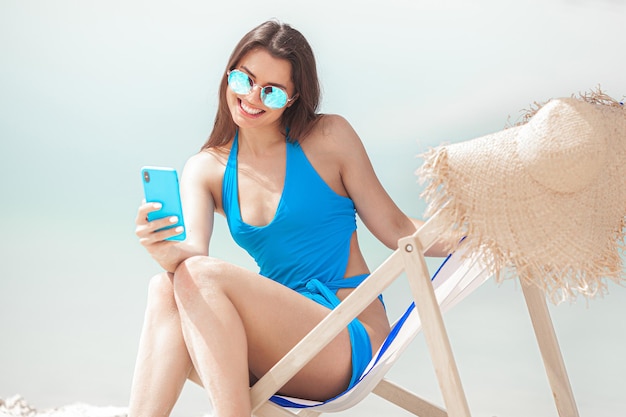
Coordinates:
(409, 258)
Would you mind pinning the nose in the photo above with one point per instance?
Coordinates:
(254, 95)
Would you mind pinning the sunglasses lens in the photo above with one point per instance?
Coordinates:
(274, 97)
(239, 82)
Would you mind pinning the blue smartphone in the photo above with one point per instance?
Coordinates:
(160, 185)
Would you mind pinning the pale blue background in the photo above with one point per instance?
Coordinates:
(92, 90)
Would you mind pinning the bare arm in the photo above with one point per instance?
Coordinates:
(374, 206)
(198, 211)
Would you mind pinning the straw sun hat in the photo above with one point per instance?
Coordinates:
(544, 200)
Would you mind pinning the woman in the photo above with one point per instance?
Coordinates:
(289, 181)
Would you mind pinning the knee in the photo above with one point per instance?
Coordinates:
(160, 294)
(197, 276)
(160, 285)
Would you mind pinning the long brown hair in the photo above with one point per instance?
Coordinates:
(283, 42)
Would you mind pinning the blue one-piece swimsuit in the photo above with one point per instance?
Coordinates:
(307, 244)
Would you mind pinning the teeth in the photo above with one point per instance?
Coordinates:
(250, 110)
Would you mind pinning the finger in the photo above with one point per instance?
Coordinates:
(167, 233)
(159, 237)
(165, 222)
(144, 209)
(146, 229)
(151, 241)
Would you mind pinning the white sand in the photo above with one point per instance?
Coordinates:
(17, 406)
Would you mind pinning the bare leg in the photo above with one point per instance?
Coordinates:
(216, 341)
(234, 321)
(234, 325)
(163, 363)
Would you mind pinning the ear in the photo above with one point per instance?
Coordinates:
(293, 99)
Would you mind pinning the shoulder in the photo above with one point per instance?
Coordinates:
(332, 132)
(333, 124)
(207, 166)
(334, 146)
(209, 159)
(203, 174)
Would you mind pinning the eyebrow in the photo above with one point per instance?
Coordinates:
(271, 84)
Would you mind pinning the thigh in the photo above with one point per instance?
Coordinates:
(275, 319)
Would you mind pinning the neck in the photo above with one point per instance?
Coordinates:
(260, 141)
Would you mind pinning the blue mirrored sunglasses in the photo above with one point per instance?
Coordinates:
(272, 96)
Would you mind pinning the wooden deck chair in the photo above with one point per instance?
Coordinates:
(458, 276)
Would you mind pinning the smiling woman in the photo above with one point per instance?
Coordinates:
(92, 91)
(289, 182)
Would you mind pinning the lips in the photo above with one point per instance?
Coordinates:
(248, 110)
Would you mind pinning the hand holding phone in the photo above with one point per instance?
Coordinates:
(160, 185)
